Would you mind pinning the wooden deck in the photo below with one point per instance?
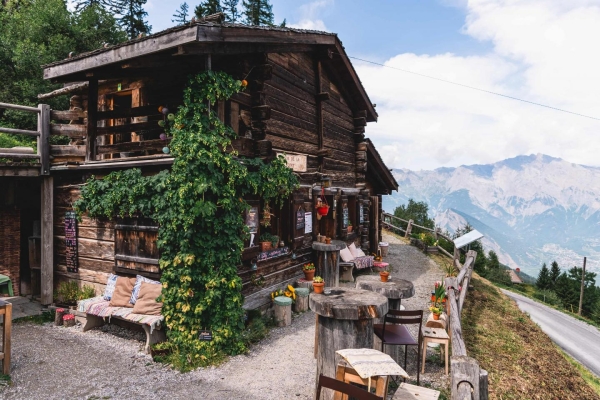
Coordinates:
(20, 169)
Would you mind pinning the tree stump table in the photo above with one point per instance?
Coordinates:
(327, 265)
(394, 290)
(344, 321)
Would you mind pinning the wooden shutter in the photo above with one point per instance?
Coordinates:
(135, 248)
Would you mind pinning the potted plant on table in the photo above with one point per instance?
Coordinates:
(266, 241)
(384, 274)
(349, 226)
(318, 284)
(309, 271)
(436, 311)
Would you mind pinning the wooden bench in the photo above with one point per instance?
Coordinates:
(96, 312)
(407, 391)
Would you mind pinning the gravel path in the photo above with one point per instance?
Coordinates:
(64, 363)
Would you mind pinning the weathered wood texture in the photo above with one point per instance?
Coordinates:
(327, 262)
(301, 304)
(394, 288)
(47, 263)
(283, 315)
(10, 246)
(6, 309)
(465, 378)
(349, 303)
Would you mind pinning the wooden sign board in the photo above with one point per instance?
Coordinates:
(71, 241)
(300, 219)
(205, 336)
(297, 162)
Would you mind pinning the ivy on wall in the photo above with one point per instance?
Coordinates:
(199, 205)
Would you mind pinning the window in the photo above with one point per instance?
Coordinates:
(135, 247)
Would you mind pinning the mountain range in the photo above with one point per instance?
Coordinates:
(532, 209)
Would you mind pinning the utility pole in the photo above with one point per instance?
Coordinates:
(582, 286)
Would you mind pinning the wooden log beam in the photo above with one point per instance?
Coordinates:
(92, 123)
(465, 378)
(67, 115)
(72, 131)
(156, 144)
(130, 112)
(47, 240)
(17, 156)
(67, 150)
(76, 88)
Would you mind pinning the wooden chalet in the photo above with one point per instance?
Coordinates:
(304, 99)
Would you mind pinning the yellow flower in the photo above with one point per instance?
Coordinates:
(291, 288)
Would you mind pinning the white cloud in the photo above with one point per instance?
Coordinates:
(543, 51)
(310, 15)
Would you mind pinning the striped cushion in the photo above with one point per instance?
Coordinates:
(370, 362)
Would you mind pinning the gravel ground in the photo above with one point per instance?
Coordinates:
(64, 363)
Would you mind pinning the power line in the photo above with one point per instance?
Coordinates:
(475, 88)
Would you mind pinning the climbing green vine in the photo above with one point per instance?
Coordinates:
(199, 206)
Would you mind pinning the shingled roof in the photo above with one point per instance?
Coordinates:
(216, 38)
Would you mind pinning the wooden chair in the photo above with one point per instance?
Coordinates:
(394, 332)
(344, 388)
(435, 335)
(347, 374)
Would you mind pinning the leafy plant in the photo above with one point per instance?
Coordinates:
(68, 292)
(86, 292)
(436, 310)
(317, 279)
(289, 291)
(308, 266)
(267, 237)
(199, 206)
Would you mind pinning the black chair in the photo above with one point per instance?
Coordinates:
(344, 388)
(393, 332)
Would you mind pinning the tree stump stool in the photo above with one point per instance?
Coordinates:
(68, 320)
(283, 311)
(344, 321)
(301, 300)
(58, 317)
(303, 283)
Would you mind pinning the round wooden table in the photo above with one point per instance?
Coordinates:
(344, 321)
(327, 264)
(395, 289)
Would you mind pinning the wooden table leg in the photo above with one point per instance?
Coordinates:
(6, 332)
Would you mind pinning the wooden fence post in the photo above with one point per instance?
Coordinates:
(409, 228)
(483, 384)
(44, 138)
(6, 337)
(465, 378)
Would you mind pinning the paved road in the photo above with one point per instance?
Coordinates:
(580, 340)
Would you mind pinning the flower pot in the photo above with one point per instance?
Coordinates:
(384, 275)
(265, 246)
(318, 287)
(436, 317)
(309, 274)
(350, 229)
(327, 240)
(323, 210)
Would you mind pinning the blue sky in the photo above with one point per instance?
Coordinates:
(540, 50)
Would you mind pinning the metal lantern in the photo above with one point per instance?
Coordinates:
(326, 181)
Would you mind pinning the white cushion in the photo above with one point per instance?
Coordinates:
(110, 286)
(352, 249)
(346, 255)
(360, 253)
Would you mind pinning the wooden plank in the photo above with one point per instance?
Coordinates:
(47, 240)
(19, 171)
(19, 108)
(140, 126)
(142, 260)
(92, 122)
(130, 112)
(90, 248)
(92, 264)
(96, 233)
(123, 53)
(83, 274)
(6, 338)
(156, 144)
(19, 131)
(262, 297)
(68, 115)
(67, 150)
(18, 156)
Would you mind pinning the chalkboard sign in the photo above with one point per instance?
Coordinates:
(71, 241)
(205, 336)
(300, 219)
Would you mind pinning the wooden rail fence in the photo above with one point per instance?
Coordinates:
(388, 221)
(42, 134)
(468, 380)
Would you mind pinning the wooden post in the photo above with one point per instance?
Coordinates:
(47, 262)
(6, 333)
(582, 286)
(319, 109)
(92, 120)
(43, 139)
(483, 384)
(409, 228)
(465, 378)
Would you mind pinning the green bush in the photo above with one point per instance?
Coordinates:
(548, 296)
(68, 292)
(86, 292)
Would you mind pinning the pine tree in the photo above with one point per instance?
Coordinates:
(231, 11)
(258, 12)
(82, 4)
(132, 17)
(543, 280)
(181, 15)
(208, 7)
(554, 274)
